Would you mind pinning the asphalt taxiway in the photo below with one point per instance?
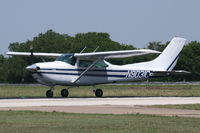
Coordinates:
(104, 105)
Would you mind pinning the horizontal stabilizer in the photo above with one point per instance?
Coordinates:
(168, 73)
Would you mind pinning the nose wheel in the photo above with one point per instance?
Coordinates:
(49, 93)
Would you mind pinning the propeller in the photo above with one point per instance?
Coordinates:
(32, 67)
(31, 50)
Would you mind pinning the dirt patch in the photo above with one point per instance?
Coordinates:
(111, 109)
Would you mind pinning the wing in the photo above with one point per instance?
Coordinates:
(115, 54)
(95, 55)
(54, 55)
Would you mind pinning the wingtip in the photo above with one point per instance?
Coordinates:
(155, 52)
(7, 52)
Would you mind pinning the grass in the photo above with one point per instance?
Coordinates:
(184, 106)
(109, 90)
(51, 122)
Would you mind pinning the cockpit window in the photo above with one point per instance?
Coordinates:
(68, 58)
(87, 63)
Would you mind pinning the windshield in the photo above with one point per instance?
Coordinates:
(68, 58)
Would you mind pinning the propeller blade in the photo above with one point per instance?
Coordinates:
(31, 50)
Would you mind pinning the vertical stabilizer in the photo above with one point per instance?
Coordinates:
(168, 58)
(166, 61)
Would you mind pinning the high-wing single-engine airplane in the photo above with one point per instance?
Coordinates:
(80, 69)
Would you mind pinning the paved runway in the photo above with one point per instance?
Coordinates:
(103, 105)
(98, 101)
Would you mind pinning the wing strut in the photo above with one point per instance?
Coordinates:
(96, 49)
(92, 65)
(83, 49)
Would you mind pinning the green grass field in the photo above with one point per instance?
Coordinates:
(51, 122)
(109, 90)
(54, 122)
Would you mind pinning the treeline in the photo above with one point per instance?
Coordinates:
(12, 69)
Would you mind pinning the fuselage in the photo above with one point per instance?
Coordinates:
(62, 73)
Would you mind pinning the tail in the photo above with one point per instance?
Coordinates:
(166, 61)
(168, 58)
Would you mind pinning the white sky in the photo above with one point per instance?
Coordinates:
(135, 22)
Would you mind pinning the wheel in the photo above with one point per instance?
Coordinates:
(99, 93)
(64, 93)
(49, 94)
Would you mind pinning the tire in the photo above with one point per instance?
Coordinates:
(99, 93)
(64, 93)
(49, 94)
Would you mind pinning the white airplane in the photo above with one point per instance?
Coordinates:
(81, 69)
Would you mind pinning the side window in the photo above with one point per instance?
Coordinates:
(85, 63)
(101, 64)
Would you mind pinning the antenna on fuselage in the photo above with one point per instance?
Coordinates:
(96, 49)
(83, 49)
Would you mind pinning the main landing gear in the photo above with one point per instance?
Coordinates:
(98, 92)
(64, 92)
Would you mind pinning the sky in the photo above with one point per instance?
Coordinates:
(134, 22)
